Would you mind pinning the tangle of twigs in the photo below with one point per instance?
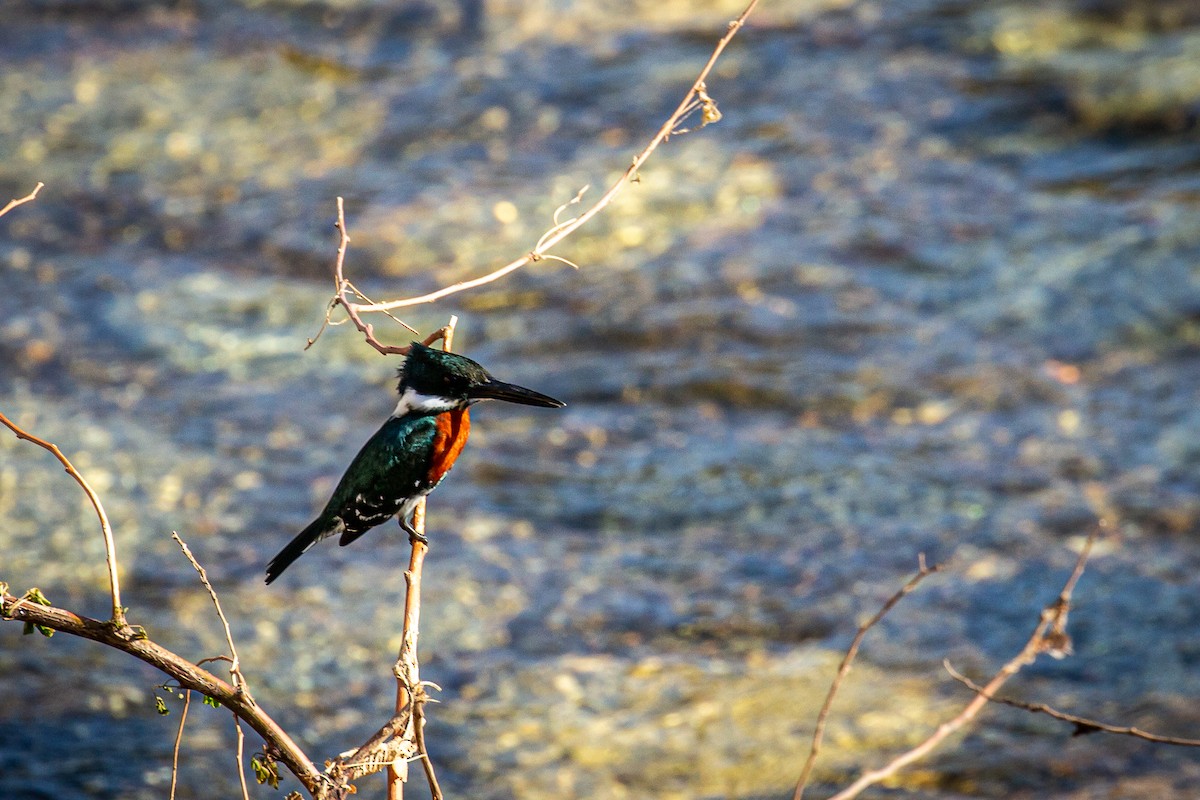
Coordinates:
(1049, 636)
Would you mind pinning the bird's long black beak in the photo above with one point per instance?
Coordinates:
(510, 392)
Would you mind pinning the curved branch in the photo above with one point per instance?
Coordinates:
(188, 675)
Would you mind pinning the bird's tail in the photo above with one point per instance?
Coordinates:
(297, 547)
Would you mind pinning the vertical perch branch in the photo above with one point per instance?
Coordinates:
(410, 692)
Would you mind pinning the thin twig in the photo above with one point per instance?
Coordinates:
(325, 323)
(435, 789)
(696, 97)
(574, 201)
(21, 200)
(110, 547)
(235, 668)
(923, 571)
(388, 314)
(1083, 725)
(1046, 638)
(187, 701)
(241, 764)
(565, 230)
(340, 285)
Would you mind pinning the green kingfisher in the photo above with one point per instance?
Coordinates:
(411, 453)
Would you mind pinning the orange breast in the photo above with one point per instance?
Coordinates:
(453, 427)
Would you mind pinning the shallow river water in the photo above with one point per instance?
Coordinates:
(930, 287)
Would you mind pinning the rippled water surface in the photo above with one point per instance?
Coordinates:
(929, 287)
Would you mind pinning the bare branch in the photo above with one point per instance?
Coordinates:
(21, 200)
(325, 323)
(340, 298)
(923, 572)
(110, 547)
(390, 728)
(1083, 725)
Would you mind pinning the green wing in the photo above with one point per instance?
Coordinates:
(390, 469)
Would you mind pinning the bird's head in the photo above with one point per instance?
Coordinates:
(434, 381)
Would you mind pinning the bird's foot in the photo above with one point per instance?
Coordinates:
(414, 535)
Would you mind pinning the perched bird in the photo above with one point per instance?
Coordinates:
(411, 453)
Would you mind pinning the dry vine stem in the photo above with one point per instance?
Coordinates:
(697, 98)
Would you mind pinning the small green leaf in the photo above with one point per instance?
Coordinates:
(160, 706)
(35, 595)
(212, 701)
(265, 772)
(42, 629)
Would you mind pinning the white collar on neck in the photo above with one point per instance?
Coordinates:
(412, 400)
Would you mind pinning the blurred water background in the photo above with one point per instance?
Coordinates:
(929, 286)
